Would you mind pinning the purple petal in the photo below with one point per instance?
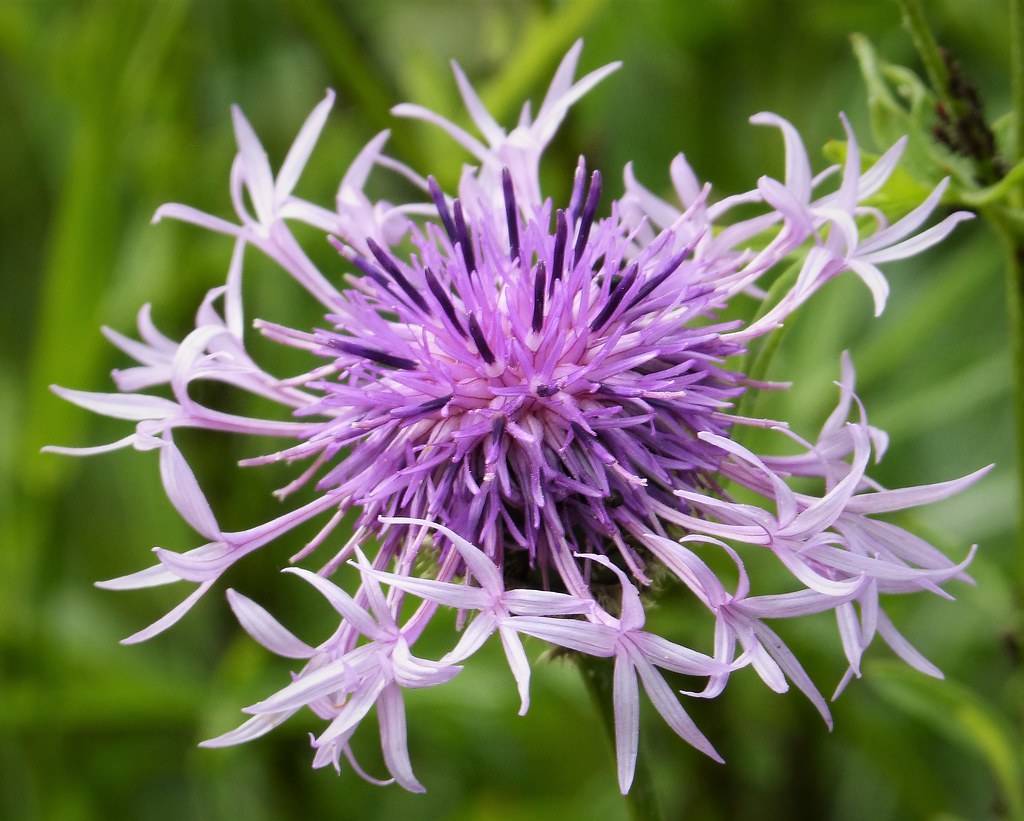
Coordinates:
(253, 728)
(876, 176)
(632, 611)
(183, 490)
(481, 117)
(675, 657)
(904, 649)
(584, 637)
(186, 213)
(473, 636)
(545, 603)
(847, 195)
(823, 513)
(460, 135)
(132, 406)
(90, 451)
(887, 501)
(667, 704)
(393, 744)
(849, 635)
(923, 241)
(354, 711)
(154, 576)
(518, 664)
(788, 605)
(255, 166)
(874, 279)
(451, 594)
(299, 153)
(908, 224)
(626, 703)
(307, 688)
(201, 564)
(798, 167)
(359, 171)
(410, 671)
(552, 113)
(172, 618)
(479, 564)
(792, 668)
(340, 601)
(265, 629)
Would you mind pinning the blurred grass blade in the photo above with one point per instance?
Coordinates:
(957, 713)
(545, 40)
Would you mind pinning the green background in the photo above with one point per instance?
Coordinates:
(108, 109)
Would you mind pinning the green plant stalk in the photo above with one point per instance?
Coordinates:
(1010, 232)
(1012, 237)
(928, 49)
(1017, 76)
(642, 799)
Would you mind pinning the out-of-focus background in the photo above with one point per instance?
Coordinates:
(111, 107)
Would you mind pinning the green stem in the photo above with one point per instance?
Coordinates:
(1017, 75)
(1013, 243)
(928, 49)
(642, 799)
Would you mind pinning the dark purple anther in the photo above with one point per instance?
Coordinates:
(648, 287)
(355, 349)
(497, 429)
(371, 270)
(538, 298)
(481, 344)
(429, 406)
(615, 297)
(462, 237)
(589, 210)
(392, 268)
(442, 208)
(561, 237)
(576, 198)
(544, 391)
(441, 295)
(511, 216)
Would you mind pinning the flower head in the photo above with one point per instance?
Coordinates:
(538, 398)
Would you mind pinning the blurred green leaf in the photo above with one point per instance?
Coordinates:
(901, 105)
(952, 710)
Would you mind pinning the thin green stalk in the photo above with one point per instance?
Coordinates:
(928, 49)
(642, 799)
(1017, 76)
(1008, 187)
(1013, 243)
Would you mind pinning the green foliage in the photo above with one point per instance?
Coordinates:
(113, 106)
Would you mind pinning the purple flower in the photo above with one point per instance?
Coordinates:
(496, 607)
(636, 653)
(533, 402)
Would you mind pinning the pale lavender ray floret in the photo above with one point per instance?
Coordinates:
(342, 681)
(528, 398)
(739, 618)
(495, 605)
(636, 653)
